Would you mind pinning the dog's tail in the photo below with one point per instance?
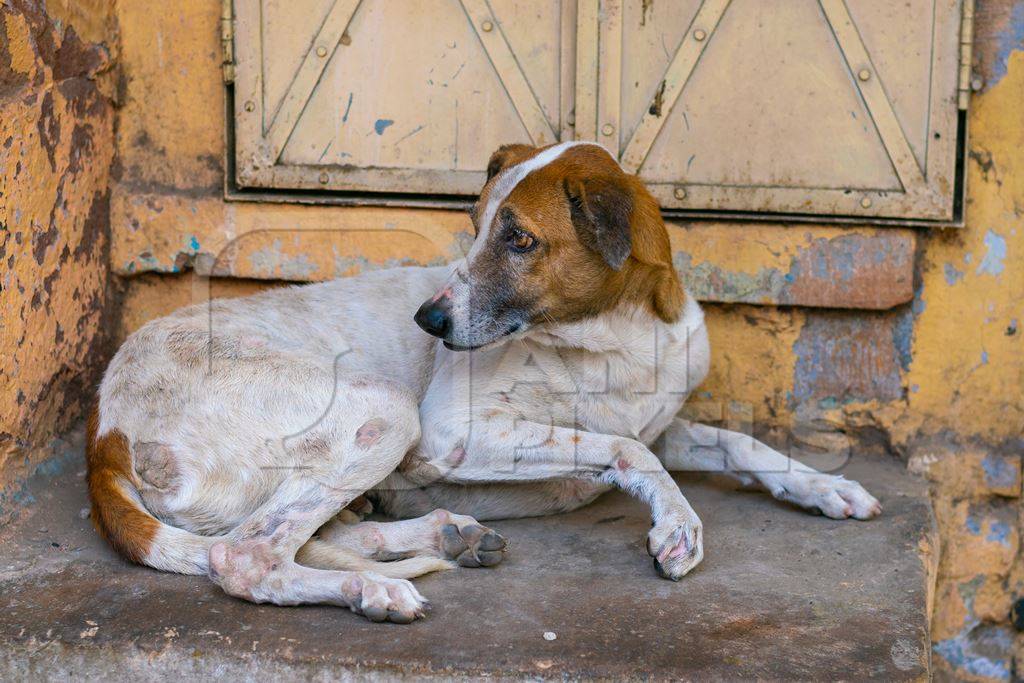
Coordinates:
(121, 517)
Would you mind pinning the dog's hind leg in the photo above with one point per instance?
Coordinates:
(440, 534)
(352, 448)
(688, 446)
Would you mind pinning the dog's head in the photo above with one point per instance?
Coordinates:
(562, 234)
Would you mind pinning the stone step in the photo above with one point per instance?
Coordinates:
(780, 594)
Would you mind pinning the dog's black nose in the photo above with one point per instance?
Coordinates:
(434, 318)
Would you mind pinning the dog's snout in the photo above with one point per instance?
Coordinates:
(435, 317)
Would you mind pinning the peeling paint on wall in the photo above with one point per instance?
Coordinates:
(847, 358)
(56, 145)
(995, 254)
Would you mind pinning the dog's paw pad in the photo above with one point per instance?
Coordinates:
(472, 545)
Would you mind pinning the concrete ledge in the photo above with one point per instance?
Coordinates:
(781, 594)
(828, 266)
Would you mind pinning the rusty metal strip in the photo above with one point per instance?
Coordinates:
(301, 89)
(227, 40)
(587, 31)
(697, 37)
(966, 47)
(567, 66)
(869, 82)
(509, 72)
(609, 86)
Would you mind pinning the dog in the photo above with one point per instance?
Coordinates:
(243, 438)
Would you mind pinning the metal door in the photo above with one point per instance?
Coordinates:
(395, 95)
(834, 108)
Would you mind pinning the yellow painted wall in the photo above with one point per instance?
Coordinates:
(56, 145)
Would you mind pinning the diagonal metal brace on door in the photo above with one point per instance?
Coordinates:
(869, 83)
(698, 35)
(308, 75)
(509, 71)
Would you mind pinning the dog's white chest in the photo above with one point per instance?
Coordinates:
(623, 373)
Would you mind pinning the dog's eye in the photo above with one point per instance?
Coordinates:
(521, 241)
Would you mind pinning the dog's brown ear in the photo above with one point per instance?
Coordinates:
(507, 155)
(602, 211)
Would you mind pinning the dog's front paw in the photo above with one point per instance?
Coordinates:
(677, 546)
(832, 495)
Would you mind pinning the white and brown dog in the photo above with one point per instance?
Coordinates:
(230, 437)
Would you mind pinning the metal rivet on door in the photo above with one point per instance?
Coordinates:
(866, 202)
(249, 106)
(864, 74)
(699, 35)
(607, 129)
(324, 178)
(487, 27)
(679, 193)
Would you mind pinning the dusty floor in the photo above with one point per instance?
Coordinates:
(780, 594)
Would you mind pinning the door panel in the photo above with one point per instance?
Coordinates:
(826, 107)
(381, 95)
(804, 107)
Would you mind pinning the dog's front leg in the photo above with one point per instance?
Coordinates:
(507, 450)
(688, 446)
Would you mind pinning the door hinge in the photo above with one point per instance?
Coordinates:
(966, 41)
(227, 40)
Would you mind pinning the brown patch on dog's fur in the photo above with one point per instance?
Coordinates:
(603, 237)
(128, 527)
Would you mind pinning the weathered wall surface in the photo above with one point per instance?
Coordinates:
(56, 145)
(908, 340)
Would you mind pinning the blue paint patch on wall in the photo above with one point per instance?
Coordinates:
(903, 338)
(981, 651)
(953, 275)
(999, 532)
(995, 254)
(844, 358)
(194, 243)
(973, 525)
(918, 305)
(380, 125)
(1009, 40)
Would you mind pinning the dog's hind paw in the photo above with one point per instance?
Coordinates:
(384, 599)
(472, 545)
